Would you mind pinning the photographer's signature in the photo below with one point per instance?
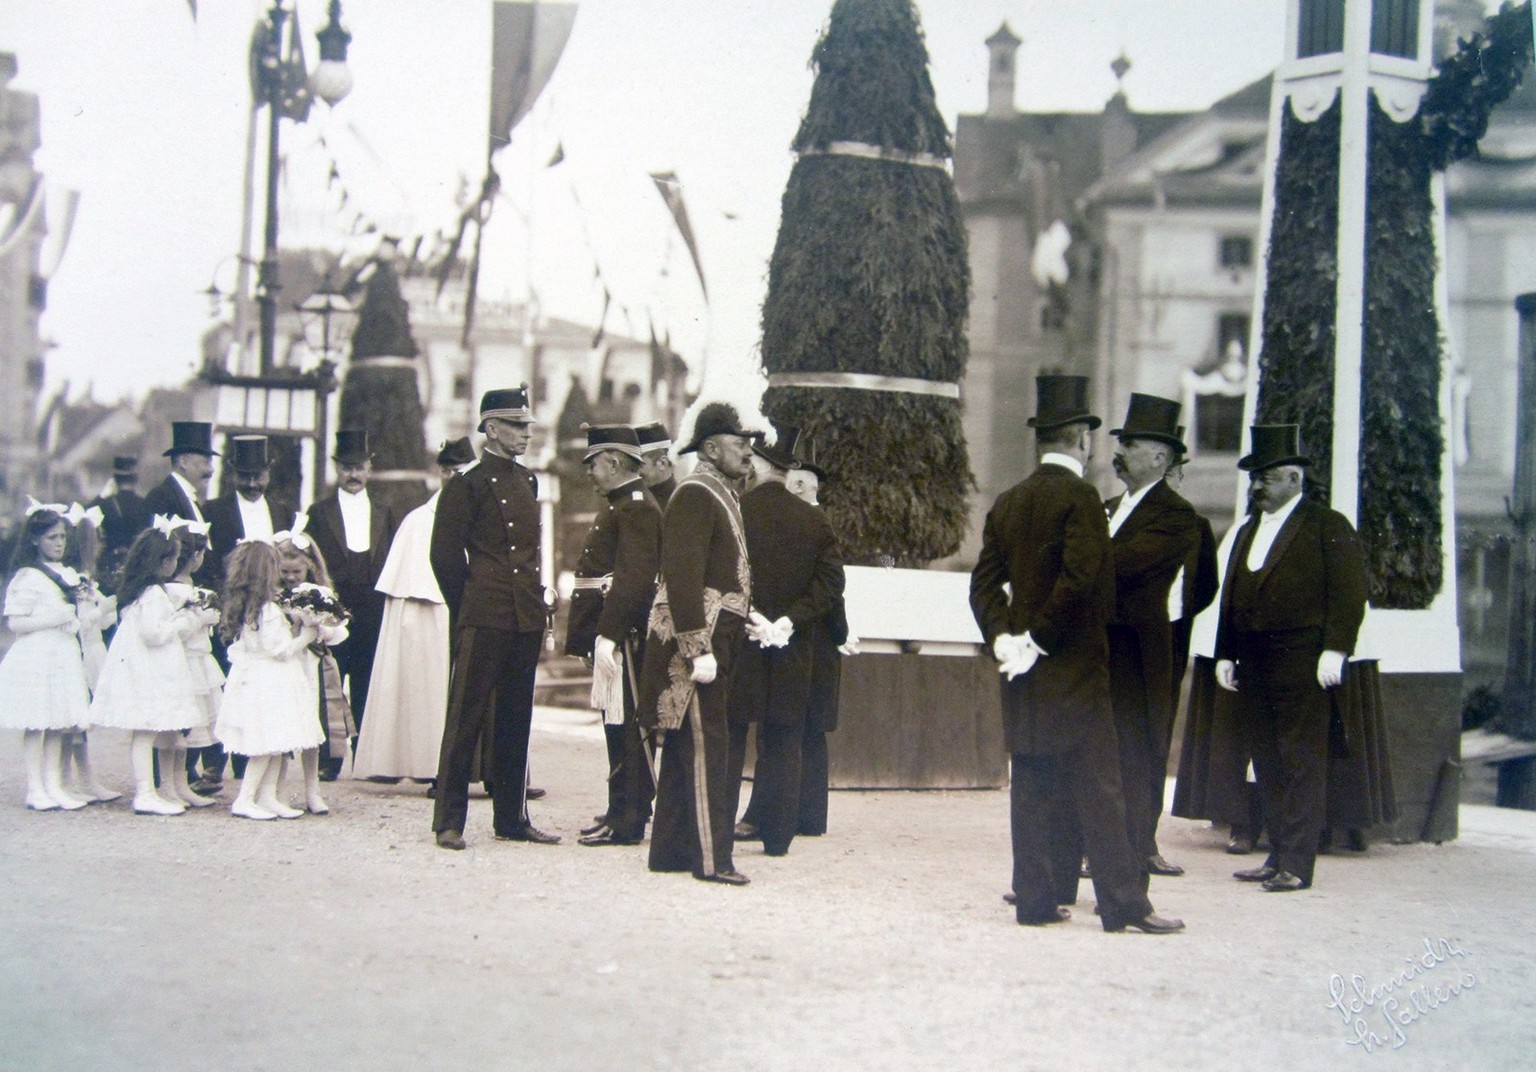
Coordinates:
(1402, 1000)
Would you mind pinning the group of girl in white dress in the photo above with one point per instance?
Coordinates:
(157, 679)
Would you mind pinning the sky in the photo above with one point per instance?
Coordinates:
(146, 111)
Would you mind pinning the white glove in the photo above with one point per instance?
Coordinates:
(1028, 652)
(1226, 674)
(603, 657)
(783, 629)
(1330, 668)
(849, 646)
(704, 668)
(1007, 647)
(72, 626)
(758, 629)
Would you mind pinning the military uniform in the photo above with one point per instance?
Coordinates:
(615, 584)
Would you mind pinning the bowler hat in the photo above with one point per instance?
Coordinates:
(785, 454)
(191, 437)
(616, 437)
(1151, 417)
(716, 418)
(351, 446)
(249, 454)
(1272, 445)
(1061, 400)
(653, 436)
(456, 452)
(506, 404)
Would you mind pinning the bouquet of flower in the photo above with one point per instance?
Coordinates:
(314, 605)
(83, 590)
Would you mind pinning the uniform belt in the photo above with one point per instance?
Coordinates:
(600, 584)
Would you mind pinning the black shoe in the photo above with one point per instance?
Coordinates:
(728, 878)
(1284, 882)
(328, 772)
(1010, 898)
(1262, 873)
(432, 789)
(601, 824)
(450, 839)
(1354, 840)
(1156, 865)
(1239, 845)
(746, 831)
(534, 794)
(1151, 924)
(1061, 915)
(383, 779)
(529, 832)
(606, 836)
(777, 850)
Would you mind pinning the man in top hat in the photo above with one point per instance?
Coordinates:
(696, 628)
(1193, 588)
(191, 455)
(655, 461)
(1046, 539)
(485, 556)
(245, 511)
(797, 578)
(1291, 606)
(615, 584)
(354, 532)
(123, 513)
(1152, 530)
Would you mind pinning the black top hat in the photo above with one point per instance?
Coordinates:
(1151, 417)
(785, 453)
(716, 418)
(351, 446)
(1183, 451)
(191, 437)
(507, 404)
(1273, 444)
(249, 454)
(1061, 400)
(653, 436)
(807, 459)
(615, 437)
(456, 452)
(125, 465)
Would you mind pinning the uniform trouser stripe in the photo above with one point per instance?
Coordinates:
(701, 786)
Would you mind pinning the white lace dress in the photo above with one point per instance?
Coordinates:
(269, 700)
(145, 684)
(197, 645)
(42, 678)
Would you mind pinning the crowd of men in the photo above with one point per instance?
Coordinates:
(1079, 601)
(714, 603)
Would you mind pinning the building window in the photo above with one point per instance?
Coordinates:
(1320, 28)
(1219, 423)
(1395, 28)
(461, 388)
(1232, 335)
(1236, 252)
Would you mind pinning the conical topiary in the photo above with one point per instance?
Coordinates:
(380, 391)
(869, 277)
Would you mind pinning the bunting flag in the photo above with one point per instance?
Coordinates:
(671, 190)
(558, 157)
(602, 320)
(526, 42)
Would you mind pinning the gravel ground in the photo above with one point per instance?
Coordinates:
(350, 941)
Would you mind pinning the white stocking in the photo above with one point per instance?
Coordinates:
(245, 804)
(146, 798)
(267, 793)
(53, 772)
(310, 760)
(77, 748)
(37, 792)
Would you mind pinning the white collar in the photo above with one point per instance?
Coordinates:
(1279, 516)
(1066, 461)
(1130, 500)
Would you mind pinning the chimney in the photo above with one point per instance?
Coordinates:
(1117, 133)
(1002, 49)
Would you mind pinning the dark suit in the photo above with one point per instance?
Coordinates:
(623, 545)
(1308, 597)
(1160, 533)
(124, 515)
(1048, 539)
(485, 556)
(797, 572)
(225, 529)
(168, 499)
(354, 575)
(1200, 584)
(701, 608)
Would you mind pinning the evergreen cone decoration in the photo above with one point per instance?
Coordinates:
(869, 275)
(383, 396)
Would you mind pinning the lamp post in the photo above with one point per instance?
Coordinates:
(280, 85)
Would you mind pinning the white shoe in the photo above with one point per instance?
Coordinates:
(155, 804)
(317, 806)
(250, 811)
(67, 800)
(42, 803)
(192, 800)
(279, 809)
(96, 794)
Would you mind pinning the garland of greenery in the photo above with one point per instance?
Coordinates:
(1401, 441)
(1301, 290)
(869, 275)
(1479, 76)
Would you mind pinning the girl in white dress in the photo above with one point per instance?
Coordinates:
(199, 615)
(269, 704)
(301, 565)
(42, 678)
(97, 612)
(145, 685)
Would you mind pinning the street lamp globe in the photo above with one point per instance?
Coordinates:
(332, 78)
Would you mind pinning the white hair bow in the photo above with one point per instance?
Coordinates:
(77, 513)
(296, 534)
(165, 526)
(197, 528)
(33, 506)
